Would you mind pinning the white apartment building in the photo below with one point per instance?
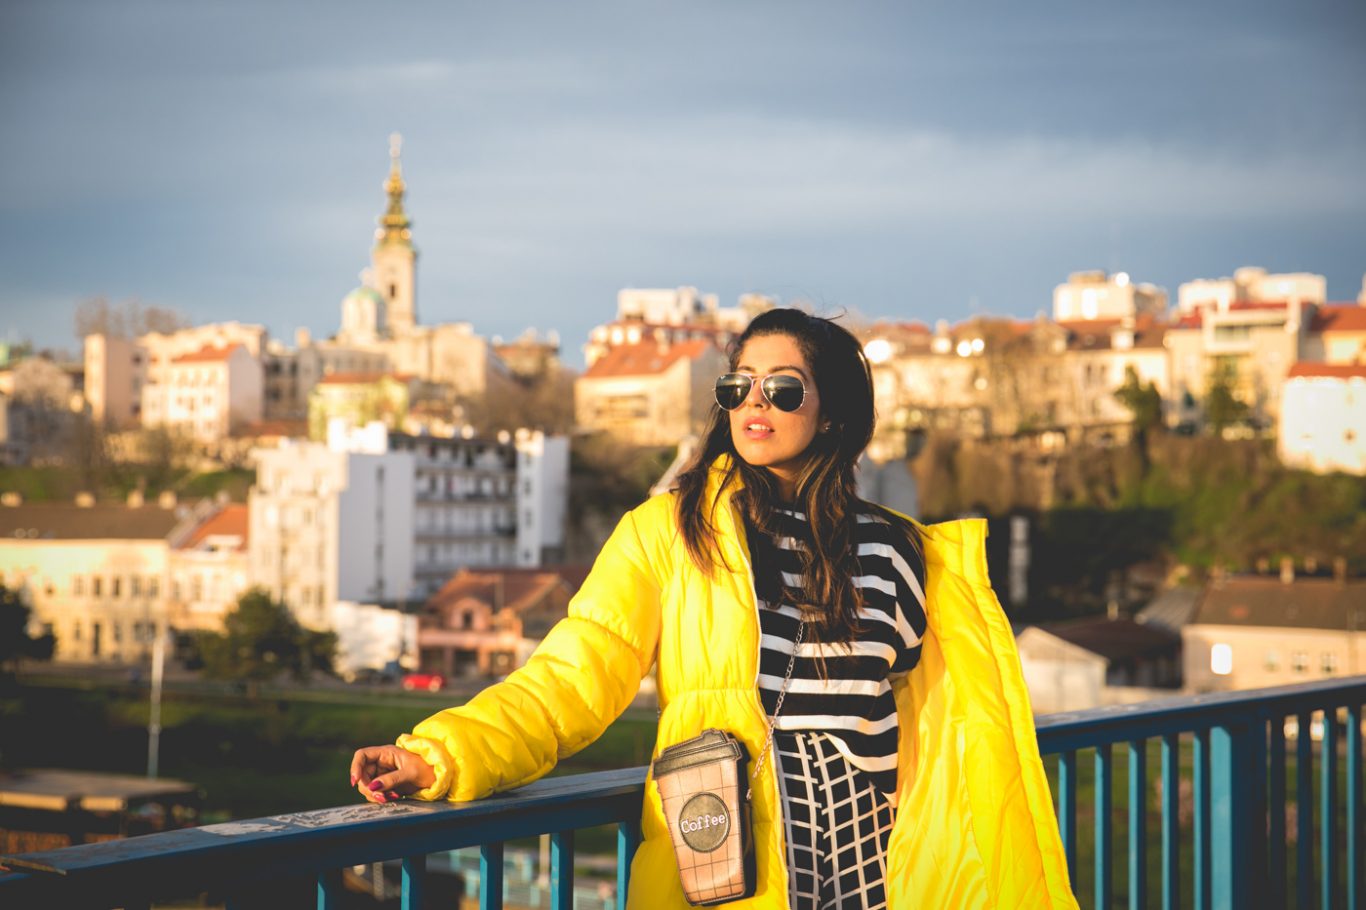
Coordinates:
(482, 503)
(1250, 285)
(121, 374)
(209, 394)
(332, 521)
(1099, 295)
(1323, 418)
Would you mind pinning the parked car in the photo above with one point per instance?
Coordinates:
(370, 676)
(432, 682)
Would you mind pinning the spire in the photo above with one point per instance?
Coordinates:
(394, 226)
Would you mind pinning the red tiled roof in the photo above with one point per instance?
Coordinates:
(512, 588)
(1330, 370)
(231, 520)
(208, 354)
(645, 358)
(1339, 317)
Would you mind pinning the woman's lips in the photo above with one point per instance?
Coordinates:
(758, 429)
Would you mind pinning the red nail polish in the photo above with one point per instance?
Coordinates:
(375, 785)
(353, 780)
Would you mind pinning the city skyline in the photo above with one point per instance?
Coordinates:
(902, 163)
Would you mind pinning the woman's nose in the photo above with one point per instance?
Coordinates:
(756, 394)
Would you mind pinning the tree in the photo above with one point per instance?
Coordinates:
(1145, 403)
(260, 640)
(15, 642)
(1222, 407)
(97, 316)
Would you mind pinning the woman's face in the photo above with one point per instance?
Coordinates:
(763, 435)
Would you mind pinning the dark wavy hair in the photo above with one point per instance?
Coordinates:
(826, 488)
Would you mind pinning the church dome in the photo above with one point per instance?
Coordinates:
(364, 293)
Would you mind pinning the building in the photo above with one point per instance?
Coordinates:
(1087, 663)
(487, 622)
(372, 637)
(209, 569)
(96, 574)
(483, 502)
(39, 409)
(123, 375)
(1337, 334)
(1322, 424)
(1249, 285)
(359, 399)
(208, 394)
(1253, 345)
(649, 393)
(375, 517)
(332, 522)
(1250, 632)
(671, 316)
(1098, 295)
(989, 377)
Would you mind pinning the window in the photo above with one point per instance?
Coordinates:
(1221, 659)
(1299, 660)
(1271, 662)
(153, 586)
(78, 587)
(1329, 662)
(134, 586)
(96, 586)
(116, 586)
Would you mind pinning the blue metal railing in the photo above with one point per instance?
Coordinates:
(1233, 818)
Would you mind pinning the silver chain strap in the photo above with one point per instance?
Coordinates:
(773, 720)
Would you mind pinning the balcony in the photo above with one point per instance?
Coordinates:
(1246, 811)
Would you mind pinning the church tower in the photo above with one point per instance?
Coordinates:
(394, 259)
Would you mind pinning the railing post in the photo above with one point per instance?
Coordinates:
(628, 839)
(1237, 816)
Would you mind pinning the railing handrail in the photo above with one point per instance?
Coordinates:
(1140, 720)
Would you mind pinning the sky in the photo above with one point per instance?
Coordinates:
(901, 160)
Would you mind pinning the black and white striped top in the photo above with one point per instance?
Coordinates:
(854, 704)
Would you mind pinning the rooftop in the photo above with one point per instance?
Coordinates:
(229, 521)
(1339, 317)
(1308, 603)
(102, 521)
(645, 358)
(1116, 640)
(208, 354)
(1328, 370)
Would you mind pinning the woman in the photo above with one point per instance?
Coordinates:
(904, 770)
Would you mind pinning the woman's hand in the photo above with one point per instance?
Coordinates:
(385, 773)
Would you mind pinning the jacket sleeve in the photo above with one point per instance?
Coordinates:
(582, 676)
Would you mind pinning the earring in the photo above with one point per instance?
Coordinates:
(825, 427)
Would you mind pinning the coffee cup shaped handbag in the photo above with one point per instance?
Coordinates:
(706, 797)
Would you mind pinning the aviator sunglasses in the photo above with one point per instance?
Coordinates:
(783, 391)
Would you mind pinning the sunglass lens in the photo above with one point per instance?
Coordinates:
(732, 389)
(786, 392)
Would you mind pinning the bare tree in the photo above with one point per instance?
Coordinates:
(129, 319)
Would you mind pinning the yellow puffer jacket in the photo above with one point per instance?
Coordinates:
(974, 823)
